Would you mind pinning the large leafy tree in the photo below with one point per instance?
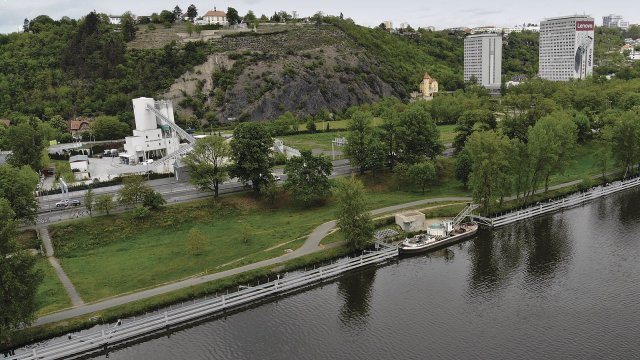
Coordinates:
(129, 28)
(18, 185)
(418, 134)
(18, 277)
(308, 178)
(192, 12)
(489, 153)
(232, 16)
(109, 128)
(354, 221)
(364, 148)
(206, 163)
(422, 175)
(26, 143)
(626, 140)
(250, 149)
(133, 190)
(470, 121)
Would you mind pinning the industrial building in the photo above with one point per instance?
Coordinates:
(566, 48)
(150, 140)
(483, 60)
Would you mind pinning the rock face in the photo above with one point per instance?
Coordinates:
(303, 70)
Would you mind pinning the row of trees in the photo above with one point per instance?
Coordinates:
(18, 275)
(134, 192)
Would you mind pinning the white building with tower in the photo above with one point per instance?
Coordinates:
(154, 136)
(483, 60)
(566, 48)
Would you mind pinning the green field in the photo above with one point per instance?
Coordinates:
(51, 295)
(111, 255)
(322, 140)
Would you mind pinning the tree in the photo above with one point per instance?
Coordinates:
(104, 203)
(109, 128)
(250, 17)
(89, 198)
(463, 167)
(129, 27)
(311, 126)
(552, 142)
(58, 123)
(206, 163)
(167, 16)
(232, 16)
(389, 134)
(133, 190)
(189, 28)
(470, 121)
(18, 277)
(192, 12)
(153, 200)
(489, 153)
(177, 12)
(25, 25)
(18, 186)
(419, 134)
(270, 191)
(26, 143)
(604, 144)
(308, 178)
(626, 140)
(422, 174)
(250, 149)
(354, 221)
(364, 148)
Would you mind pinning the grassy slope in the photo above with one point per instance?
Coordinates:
(106, 256)
(51, 295)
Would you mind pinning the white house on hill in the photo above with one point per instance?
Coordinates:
(215, 17)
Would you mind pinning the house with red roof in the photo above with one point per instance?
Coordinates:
(215, 17)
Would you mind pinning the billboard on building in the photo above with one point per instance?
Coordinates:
(584, 48)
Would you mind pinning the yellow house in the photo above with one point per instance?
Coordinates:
(428, 86)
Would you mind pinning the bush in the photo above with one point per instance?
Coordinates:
(153, 200)
(140, 212)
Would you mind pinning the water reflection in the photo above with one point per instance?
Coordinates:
(540, 245)
(628, 208)
(356, 290)
(549, 249)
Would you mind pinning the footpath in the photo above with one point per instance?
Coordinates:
(311, 245)
(76, 300)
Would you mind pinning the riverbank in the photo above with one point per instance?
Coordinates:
(190, 292)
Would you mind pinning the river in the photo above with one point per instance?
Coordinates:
(564, 286)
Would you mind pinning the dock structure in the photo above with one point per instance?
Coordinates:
(548, 207)
(73, 346)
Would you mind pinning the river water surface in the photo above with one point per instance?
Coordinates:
(565, 286)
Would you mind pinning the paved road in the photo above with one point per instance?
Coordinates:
(311, 245)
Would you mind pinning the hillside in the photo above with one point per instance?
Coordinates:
(72, 68)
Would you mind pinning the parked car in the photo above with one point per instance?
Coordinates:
(74, 202)
(62, 203)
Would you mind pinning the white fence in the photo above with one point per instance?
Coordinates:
(75, 346)
(564, 203)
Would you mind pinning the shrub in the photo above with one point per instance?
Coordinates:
(140, 212)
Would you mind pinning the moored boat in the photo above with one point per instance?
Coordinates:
(432, 240)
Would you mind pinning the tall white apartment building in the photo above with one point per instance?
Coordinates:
(615, 21)
(483, 59)
(566, 48)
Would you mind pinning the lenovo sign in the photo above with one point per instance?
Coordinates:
(585, 26)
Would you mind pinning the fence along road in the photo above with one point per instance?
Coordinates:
(75, 346)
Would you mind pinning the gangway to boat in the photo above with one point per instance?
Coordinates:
(464, 213)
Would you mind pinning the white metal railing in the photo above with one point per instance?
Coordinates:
(564, 203)
(101, 340)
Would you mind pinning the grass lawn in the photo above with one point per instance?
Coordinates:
(111, 255)
(583, 164)
(50, 295)
(322, 140)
